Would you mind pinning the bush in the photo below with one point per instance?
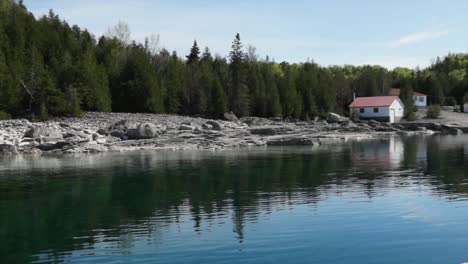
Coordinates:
(433, 112)
(4, 115)
(451, 101)
(409, 113)
(354, 115)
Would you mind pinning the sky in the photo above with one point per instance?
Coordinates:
(389, 33)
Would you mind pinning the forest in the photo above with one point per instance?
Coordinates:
(49, 68)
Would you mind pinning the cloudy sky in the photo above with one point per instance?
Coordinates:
(389, 33)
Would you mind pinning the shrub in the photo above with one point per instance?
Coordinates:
(451, 101)
(409, 113)
(433, 112)
(354, 115)
(4, 115)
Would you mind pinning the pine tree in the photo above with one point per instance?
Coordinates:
(193, 57)
(238, 90)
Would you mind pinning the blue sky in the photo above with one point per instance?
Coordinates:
(388, 33)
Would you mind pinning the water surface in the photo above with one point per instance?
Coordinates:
(395, 200)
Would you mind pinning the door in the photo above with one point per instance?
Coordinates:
(392, 115)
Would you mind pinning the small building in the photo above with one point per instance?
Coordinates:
(420, 99)
(465, 107)
(380, 108)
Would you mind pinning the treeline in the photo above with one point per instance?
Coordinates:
(48, 67)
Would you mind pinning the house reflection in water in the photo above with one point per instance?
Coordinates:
(380, 155)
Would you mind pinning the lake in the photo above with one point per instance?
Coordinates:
(392, 200)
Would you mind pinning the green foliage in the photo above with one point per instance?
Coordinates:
(354, 115)
(433, 112)
(4, 115)
(49, 68)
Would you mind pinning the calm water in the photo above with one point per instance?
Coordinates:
(385, 201)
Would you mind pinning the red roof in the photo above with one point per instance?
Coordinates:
(394, 92)
(374, 101)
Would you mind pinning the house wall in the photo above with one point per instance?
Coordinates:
(465, 108)
(384, 112)
(399, 110)
(420, 101)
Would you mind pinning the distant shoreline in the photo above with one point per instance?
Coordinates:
(118, 132)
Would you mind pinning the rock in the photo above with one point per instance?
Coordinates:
(101, 140)
(186, 128)
(334, 118)
(455, 131)
(291, 141)
(144, 131)
(230, 116)
(215, 125)
(111, 139)
(120, 128)
(255, 121)
(422, 129)
(54, 146)
(399, 127)
(8, 150)
(374, 123)
(102, 132)
(207, 127)
(276, 119)
(118, 134)
(38, 132)
(270, 130)
(95, 149)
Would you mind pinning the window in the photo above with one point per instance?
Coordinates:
(421, 99)
(361, 110)
(376, 110)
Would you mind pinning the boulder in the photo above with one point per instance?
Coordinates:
(38, 132)
(374, 123)
(144, 131)
(207, 127)
(186, 128)
(455, 131)
(102, 132)
(54, 146)
(291, 141)
(270, 130)
(119, 129)
(334, 118)
(215, 125)
(230, 116)
(8, 150)
(118, 134)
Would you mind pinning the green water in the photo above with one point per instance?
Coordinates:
(384, 201)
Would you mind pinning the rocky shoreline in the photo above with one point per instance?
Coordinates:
(104, 132)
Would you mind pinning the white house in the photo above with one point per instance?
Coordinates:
(420, 100)
(380, 108)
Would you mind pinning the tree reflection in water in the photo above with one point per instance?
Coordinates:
(53, 205)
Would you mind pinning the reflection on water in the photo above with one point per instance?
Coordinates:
(394, 200)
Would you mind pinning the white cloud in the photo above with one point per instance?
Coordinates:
(418, 37)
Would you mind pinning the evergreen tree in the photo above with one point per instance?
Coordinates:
(193, 57)
(238, 90)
